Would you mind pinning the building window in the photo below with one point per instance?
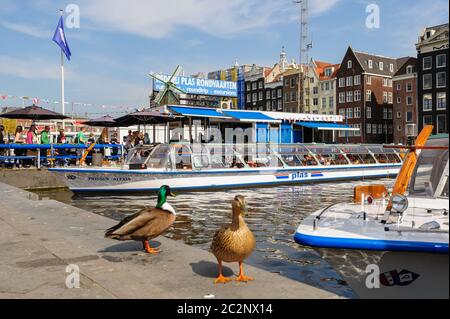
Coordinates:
(286, 97)
(249, 86)
(280, 93)
(268, 105)
(327, 86)
(350, 113)
(409, 69)
(280, 105)
(315, 90)
(399, 115)
(357, 96)
(342, 133)
(357, 112)
(385, 97)
(441, 61)
(368, 95)
(409, 100)
(350, 81)
(293, 82)
(390, 129)
(324, 103)
(286, 82)
(409, 87)
(274, 94)
(427, 102)
(315, 101)
(409, 117)
(331, 102)
(441, 124)
(390, 112)
(358, 132)
(249, 98)
(381, 66)
(390, 98)
(260, 85)
(380, 128)
(442, 101)
(399, 100)
(427, 63)
(385, 114)
(374, 129)
(293, 96)
(385, 82)
(341, 82)
(368, 112)
(370, 64)
(427, 120)
(254, 85)
(391, 68)
(267, 94)
(342, 97)
(357, 79)
(349, 64)
(399, 86)
(350, 96)
(427, 81)
(342, 112)
(369, 129)
(441, 80)
(255, 97)
(369, 79)
(260, 95)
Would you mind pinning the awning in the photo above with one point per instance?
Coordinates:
(198, 112)
(327, 126)
(247, 116)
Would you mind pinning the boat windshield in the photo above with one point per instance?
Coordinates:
(430, 178)
(357, 154)
(159, 157)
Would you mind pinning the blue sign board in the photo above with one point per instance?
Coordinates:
(199, 86)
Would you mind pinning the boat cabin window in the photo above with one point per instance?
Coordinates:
(183, 155)
(223, 156)
(160, 157)
(200, 159)
(328, 155)
(291, 155)
(261, 156)
(138, 155)
(385, 155)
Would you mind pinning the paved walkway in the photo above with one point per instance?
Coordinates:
(38, 239)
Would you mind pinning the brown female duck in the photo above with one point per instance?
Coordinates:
(234, 243)
(147, 224)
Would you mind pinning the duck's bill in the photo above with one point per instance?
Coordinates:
(172, 194)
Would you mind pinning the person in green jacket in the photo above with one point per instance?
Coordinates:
(81, 138)
(45, 135)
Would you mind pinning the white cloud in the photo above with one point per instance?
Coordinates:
(28, 68)
(318, 7)
(159, 19)
(31, 30)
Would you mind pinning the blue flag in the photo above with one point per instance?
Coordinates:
(60, 38)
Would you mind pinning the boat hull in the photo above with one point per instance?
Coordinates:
(116, 180)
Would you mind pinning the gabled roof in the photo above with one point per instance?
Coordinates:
(322, 66)
(403, 64)
(364, 59)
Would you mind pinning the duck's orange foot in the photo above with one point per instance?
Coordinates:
(222, 280)
(243, 278)
(152, 251)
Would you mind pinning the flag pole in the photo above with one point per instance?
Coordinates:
(62, 81)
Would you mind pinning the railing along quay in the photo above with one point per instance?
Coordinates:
(52, 153)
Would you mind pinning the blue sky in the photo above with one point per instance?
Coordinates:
(119, 41)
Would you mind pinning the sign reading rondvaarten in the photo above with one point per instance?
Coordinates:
(199, 86)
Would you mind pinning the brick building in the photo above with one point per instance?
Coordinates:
(405, 102)
(432, 75)
(365, 97)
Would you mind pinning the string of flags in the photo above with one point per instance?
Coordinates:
(48, 102)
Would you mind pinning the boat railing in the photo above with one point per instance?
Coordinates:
(53, 154)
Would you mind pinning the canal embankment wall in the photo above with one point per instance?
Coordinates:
(45, 244)
(31, 179)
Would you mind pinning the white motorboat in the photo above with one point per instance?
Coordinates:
(186, 166)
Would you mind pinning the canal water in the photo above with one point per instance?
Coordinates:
(274, 215)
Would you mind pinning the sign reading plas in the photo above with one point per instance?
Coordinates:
(199, 86)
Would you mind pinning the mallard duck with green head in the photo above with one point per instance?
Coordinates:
(146, 224)
(234, 243)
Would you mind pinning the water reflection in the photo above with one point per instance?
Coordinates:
(274, 215)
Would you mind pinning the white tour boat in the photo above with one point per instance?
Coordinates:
(415, 218)
(186, 166)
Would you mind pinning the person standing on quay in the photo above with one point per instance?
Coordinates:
(18, 139)
(45, 135)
